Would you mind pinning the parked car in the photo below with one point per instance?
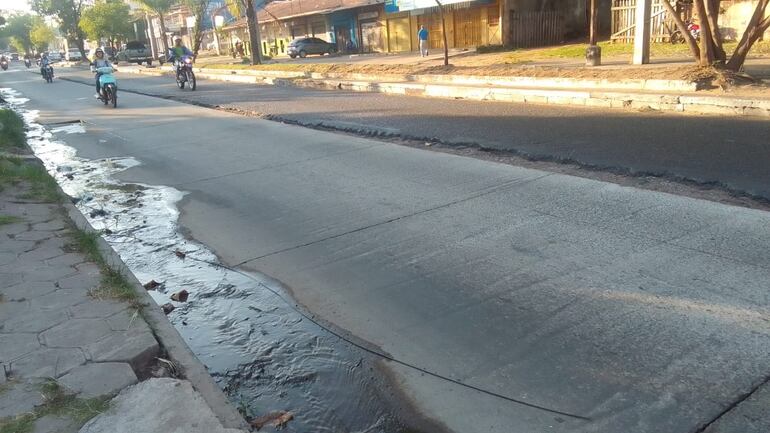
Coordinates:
(15, 56)
(73, 55)
(303, 46)
(134, 52)
(54, 56)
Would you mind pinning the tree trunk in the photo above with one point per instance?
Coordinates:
(756, 28)
(443, 33)
(151, 36)
(682, 27)
(712, 14)
(251, 19)
(199, 12)
(706, 42)
(163, 36)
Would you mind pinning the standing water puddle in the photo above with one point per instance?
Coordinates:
(264, 354)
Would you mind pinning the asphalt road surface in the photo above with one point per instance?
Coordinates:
(731, 152)
(574, 305)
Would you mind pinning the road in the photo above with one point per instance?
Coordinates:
(574, 305)
(726, 151)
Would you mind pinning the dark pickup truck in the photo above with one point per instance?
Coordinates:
(135, 52)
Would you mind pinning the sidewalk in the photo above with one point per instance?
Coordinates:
(73, 332)
(672, 95)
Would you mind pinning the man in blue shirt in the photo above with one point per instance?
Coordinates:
(422, 35)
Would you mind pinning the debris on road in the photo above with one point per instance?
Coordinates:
(97, 213)
(151, 285)
(168, 308)
(277, 419)
(180, 296)
(180, 254)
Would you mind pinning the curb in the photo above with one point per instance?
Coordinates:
(168, 337)
(493, 90)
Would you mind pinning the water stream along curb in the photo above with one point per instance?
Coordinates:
(258, 349)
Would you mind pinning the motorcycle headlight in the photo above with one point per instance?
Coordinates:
(187, 60)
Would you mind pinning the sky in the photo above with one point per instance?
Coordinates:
(20, 5)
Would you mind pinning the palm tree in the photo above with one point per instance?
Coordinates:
(237, 8)
(160, 7)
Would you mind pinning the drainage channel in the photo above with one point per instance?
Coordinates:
(264, 354)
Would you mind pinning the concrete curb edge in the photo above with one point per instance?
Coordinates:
(169, 338)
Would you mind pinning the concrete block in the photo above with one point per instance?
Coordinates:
(55, 424)
(97, 309)
(157, 406)
(14, 229)
(8, 279)
(136, 346)
(53, 225)
(82, 280)
(60, 300)
(35, 321)
(98, 379)
(39, 254)
(28, 290)
(46, 362)
(76, 333)
(20, 397)
(34, 236)
(69, 259)
(15, 346)
(7, 258)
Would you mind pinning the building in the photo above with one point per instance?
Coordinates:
(391, 25)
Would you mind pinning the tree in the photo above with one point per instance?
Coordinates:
(237, 7)
(160, 7)
(109, 19)
(443, 31)
(709, 50)
(41, 35)
(198, 8)
(18, 28)
(68, 13)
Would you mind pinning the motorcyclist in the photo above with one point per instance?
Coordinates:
(99, 62)
(44, 63)
(176, 53)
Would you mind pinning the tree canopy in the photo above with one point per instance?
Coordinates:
(18, 28)
(41, 35)
(107, 19)
(68, 13)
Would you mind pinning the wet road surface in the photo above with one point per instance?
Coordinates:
(728, 151)
(572, 305)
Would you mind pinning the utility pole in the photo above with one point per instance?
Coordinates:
(642, 32)
(594, 51)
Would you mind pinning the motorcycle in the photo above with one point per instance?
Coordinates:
(184, 73)
(47, 73)
(27, 63)
(108, 85)
(4, 64)
(692, 28)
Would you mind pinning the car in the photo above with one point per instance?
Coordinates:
(303, 46)
(14, 56)
(135, 52)
(73, 55)
(54, 56)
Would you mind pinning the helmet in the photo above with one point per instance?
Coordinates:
(178, 39)
(99, 50)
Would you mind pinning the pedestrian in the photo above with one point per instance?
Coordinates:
(422, 35)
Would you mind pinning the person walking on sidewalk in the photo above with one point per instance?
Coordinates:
(422, 35)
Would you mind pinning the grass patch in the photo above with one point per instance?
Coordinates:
(11, 131)
(58, 403)
(40, 185)
(7, 219)
(113, 284)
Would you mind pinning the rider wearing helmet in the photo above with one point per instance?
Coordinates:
(178, 51)
(99, 62)
(44, 62)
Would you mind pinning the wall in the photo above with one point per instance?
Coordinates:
(736, 16)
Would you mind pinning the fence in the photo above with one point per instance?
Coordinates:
(661, 25)
(537, 29)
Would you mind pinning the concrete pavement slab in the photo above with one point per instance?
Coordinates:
(47, 362)
(99, 379)
(75, 333)
(157, 406)
(19, 397)
(35, 321)
(17, 345)
(29, 290)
